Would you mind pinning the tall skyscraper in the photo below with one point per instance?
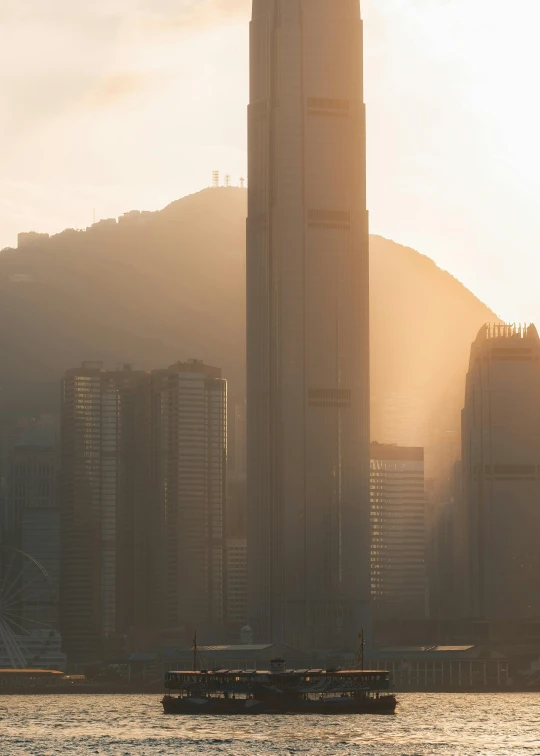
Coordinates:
(189, 461)
(499, 515)
(307, 324)
(398, 523)
(106, 585)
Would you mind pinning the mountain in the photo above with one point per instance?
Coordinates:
(423, 321)
(158, 287)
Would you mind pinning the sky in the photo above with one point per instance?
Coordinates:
(130, 104)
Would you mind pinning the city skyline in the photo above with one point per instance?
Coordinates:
(256, 457)
(69, 134)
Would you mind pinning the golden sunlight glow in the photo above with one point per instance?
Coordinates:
(126, 104)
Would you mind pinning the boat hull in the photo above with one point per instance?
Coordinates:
(223, 706)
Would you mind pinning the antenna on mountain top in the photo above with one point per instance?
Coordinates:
(227, 180)
(215, 179)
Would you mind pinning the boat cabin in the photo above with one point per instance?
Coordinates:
(300, 681)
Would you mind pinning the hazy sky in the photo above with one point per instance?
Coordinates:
(121, 104)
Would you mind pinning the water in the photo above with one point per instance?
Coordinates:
(456, 725)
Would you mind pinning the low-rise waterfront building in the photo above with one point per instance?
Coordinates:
(442, 667)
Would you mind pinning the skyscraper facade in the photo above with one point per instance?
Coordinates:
(189, 471)
(499, 515)
(307, 324)
(106, 589)
(236, 582)
(34, 520)
(398, 531)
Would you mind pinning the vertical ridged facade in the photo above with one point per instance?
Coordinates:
(106, 588)
(499, 514)
(398, 532)
(189, 470)
(308, 324)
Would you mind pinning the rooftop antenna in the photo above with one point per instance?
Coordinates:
(242, 182)
(215, 179)
(227, 180)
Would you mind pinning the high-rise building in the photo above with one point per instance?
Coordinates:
(307, 324)
(33, 520)
(442, 577)
(499, 514)
(398, 418)
(236, 485)
(189, 453)
(107, 586)
(236, 582)
(398, 536)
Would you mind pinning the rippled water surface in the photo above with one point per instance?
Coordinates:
(460, 725)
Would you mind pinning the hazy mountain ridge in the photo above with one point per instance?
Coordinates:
(173, 287)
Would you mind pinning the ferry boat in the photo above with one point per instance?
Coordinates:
(279, 691)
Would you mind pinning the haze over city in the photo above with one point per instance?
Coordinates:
(154, 96)
(269, 417)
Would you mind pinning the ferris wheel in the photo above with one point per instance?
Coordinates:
(28, 609)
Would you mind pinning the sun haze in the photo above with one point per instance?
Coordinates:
(131, 103)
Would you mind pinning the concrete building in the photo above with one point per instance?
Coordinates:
(244, 656)
(399, 418)
(240, 440)
(443, 668)
(135, 218)
(30, 529)
(499, 517)
(443, 582)
(236, 484)
(398, 531)
(236, 582)
(41, 649)
(307, 324)
(30, 239)
(107, 586)
(189, 459)
(35, 528)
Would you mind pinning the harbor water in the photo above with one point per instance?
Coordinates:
(436, 723)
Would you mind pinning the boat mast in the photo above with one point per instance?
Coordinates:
(359, 660)
(195, 652)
